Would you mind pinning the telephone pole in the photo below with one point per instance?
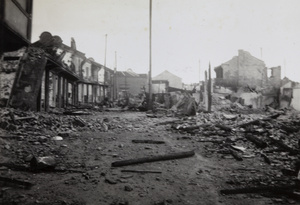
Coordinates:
(105, 50)
(209, 89)
(115, 78)
(150, 56)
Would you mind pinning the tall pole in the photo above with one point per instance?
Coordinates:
(284, 70)
(150, 56)
(199, 75)
(115, 78)
(105, 74)
(209, 89)
(199, 81)
(105, 50)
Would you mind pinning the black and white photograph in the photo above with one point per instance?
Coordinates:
(149, 102)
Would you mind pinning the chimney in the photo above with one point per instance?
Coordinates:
(73, 43)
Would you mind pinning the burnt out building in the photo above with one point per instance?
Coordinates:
(48, 74)
(242, 71)
(247, 78)
(131, 82)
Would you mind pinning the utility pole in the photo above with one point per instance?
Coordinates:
(209, 89)
(206, 91)
(150, 56)
(115, 78)
(105, 50)
(199, 81)
(109, 87)
(284, 70)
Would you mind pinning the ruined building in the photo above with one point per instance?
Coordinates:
(49, 73)
(131, 82)
(174, 81)
(242, 70)
(247, 78)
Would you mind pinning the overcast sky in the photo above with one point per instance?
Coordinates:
(184, 32)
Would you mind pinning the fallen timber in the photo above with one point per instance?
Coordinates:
(148, 141)
(261, 189)
(258, 142)
(141, 171)
(171, 156)
(259, 120)
(280, 144)
(16, 182)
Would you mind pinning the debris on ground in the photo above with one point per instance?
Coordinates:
(86, 149)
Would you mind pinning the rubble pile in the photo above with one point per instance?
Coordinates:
(233, 105)
(21, 122)
(272, 138)
(49, 142)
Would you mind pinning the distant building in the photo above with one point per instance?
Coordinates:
(131, 82)
(290, 94)
(242, 70)
(160, 86)
(174, 81)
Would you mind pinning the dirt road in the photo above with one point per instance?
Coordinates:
(86, 176)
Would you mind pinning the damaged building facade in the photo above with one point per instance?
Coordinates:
(246, 78)
(131, 82)
(289, 94)
(49, 73)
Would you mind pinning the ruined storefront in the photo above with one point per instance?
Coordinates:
(50, 74)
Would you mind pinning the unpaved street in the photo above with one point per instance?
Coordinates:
(84, 174)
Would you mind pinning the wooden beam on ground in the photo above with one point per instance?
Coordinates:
(141, 171)
(261, 189)
(280, 144)
(148, 141)
(16, 182)
(236, 155)
(223, 127)
(259, 120)
(258, 142)
(153, 158)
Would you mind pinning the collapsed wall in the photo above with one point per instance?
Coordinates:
(9, 63)
(21, 77)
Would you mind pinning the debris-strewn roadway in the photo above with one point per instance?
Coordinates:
(237, 158)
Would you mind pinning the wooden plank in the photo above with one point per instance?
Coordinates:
(261, 189)
(153, 158)
(16, 182)
(280, 144)
(236, 155)
(259, 120)
(141, 171)
(223, 127)
(258, 142)
(148, 141)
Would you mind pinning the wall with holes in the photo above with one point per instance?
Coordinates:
(9, 63)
